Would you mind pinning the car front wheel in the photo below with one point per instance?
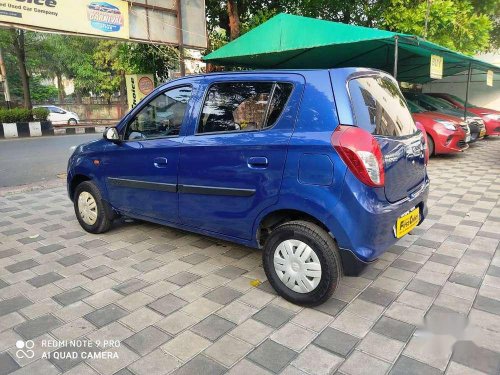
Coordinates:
(72, 122)
(302, 263)
(89, 208)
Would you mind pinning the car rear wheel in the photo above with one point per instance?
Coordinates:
(302, 263)
(72, 122)
(89, 208)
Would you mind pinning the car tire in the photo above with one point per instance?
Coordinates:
(302, 236)
(72, 122)
(431, 145)
(90, 209)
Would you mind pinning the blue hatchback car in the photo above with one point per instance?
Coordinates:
(322, 169)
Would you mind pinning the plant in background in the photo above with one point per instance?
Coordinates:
(40, 114)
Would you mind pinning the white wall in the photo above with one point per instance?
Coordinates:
(479, 93)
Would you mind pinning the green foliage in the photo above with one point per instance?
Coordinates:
(15, 115)
(40, 114)
(452, 23)
(42, 93)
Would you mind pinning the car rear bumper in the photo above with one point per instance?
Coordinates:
(367, 221)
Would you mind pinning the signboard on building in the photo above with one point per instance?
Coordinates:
(489, 78)
(138, 86)
(437, 63)
(109, 18)
(170, 22)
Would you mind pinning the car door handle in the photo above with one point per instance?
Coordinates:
(160, 162)
(258, 162)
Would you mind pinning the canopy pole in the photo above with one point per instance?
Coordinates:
(469, 73)
(396, 47)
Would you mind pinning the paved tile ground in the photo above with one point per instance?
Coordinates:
(182, 303)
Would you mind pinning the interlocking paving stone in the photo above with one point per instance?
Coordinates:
(203, 243)
(237, 253)
(194, 258)
(331, 307)
(465, 279)
(45, 279)
(201, 365)
(7, 364)
(231, 272)
(50, 248)
(3, 284)
(379, 296)
(272, 356)
(394, 329)
(28, 240)
(71, 296)
(119, 254)
(406, 265)
(73, 259)
(21, 266)
(183, 278)
(273, 316)
(8, 253)
(92, 244)
(493, 271)
(147, 265)
(105, 315)
(444, 259)
(223, 295)
(408, 366)
(487, 304)
(423, 287)
(10, 305)
(167, 304)
(52, 227)
(147, 340)
(473, 356)
(130, 286)
(13, 231)
(98, 272)
(213, 327)
(72, 235)
(36, 327)
(162, 248)
(336, 341)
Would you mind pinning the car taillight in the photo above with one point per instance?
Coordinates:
(361, 153)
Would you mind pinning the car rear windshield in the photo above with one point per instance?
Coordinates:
(379, 107)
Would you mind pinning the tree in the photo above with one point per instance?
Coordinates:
(452, 23)
(17, 38)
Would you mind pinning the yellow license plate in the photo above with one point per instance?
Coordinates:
(482, 133)
(407, 222)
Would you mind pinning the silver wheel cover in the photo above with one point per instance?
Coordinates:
(297, 266)
(87, 207)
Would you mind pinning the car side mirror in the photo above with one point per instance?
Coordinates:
(111, 134)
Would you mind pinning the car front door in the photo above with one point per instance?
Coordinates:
(231, 164)
(142, 169)
(56, 115)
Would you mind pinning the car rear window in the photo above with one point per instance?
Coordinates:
(379, 107)
(243, 106)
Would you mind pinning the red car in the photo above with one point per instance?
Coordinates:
(490, 117)
(445, 134)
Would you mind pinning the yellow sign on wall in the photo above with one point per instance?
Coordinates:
(138, 86)
(109, 18)
(489, 78)
(437, 63)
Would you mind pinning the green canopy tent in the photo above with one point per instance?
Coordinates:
(291, 42)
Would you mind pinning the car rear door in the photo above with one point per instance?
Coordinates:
(379, 107)
(231, 165)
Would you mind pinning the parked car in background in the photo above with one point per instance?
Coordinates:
(476, 124)
(490, 117)
(261, 159)
(59, 116)
(445, 133)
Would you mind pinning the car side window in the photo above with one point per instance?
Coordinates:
(243, 106)
(161, 117)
